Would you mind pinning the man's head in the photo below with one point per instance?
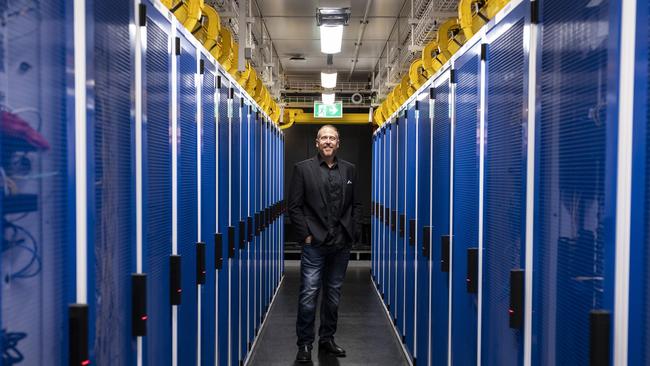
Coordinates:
(327, 141)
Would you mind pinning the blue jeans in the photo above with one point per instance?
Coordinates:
(326, 266)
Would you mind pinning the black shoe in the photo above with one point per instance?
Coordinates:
(304, 354)
(331, 347)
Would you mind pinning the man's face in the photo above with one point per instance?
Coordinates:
(327, 142)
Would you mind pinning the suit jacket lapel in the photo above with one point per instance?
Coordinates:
(317, 179)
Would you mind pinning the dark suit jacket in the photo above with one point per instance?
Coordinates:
(307, 208)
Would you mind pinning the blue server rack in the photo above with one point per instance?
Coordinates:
(407, 227)
(384, 206)
(223, 217)
(575, 180)
(208, 214)
(258, 220)
(235, 209)
(504, 192)
(440, 174)
(399, 180)
(38, 177)
(464, 240)
(390, 236)
(245, 182)
(532, 272)
(112, 189)
(381, 223)
(133, 154)
(422, 216)
(157, 191)
(250, 209)
(639, 315)
(373, 201)
(187, 199)
(377, 223)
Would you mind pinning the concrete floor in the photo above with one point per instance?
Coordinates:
(363, 328)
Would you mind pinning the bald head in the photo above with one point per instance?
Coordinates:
(325, 127)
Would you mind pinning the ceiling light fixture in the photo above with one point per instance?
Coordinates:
(331, 22)
(328, 98)
(328, 80)
(331, 37)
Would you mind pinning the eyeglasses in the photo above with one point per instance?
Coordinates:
(328, 138)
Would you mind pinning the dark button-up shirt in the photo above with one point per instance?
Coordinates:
(333, 184)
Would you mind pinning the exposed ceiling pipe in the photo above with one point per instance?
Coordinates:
(357, 46)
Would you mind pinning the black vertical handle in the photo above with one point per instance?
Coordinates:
(139, 304)
(242, 235)
(444, 253)
(599, 337)
(387, 215)
(402, 225)
(78, 334)
(200, 263)
(472, 270)
(516, 310)
(412, 233)
(258, 223)
(231, 241)
(218, 251)
(426, 241)
(175, 285)
(249, 229)
(393, 220)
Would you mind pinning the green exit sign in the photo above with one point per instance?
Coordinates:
(328, 110)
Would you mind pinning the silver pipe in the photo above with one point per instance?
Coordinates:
(357, 46)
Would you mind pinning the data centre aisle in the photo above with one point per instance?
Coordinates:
(363, 328)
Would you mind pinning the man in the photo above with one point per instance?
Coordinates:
(325, 210)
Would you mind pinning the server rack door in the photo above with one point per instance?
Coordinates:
(157, 190)
(263, 236)
(465, 243)
(410, 234)
(389, 188)
(187, 200)
(504, 192)
(382, 198)
(421, 321)
(373, 217)
(250, 231)
(575, 185)
(258, 210)
(244, 143)
(377, 233)
(223, 213)
(440, 172)
(235, 209)
(400, 179)
(38, 175)
(112, 201)
(208, 214)
(639, 321)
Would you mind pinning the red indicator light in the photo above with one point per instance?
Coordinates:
(203, 272)
(144, 317)
(468, 280)
(511, 311)
(85, 363)
(179, 290)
